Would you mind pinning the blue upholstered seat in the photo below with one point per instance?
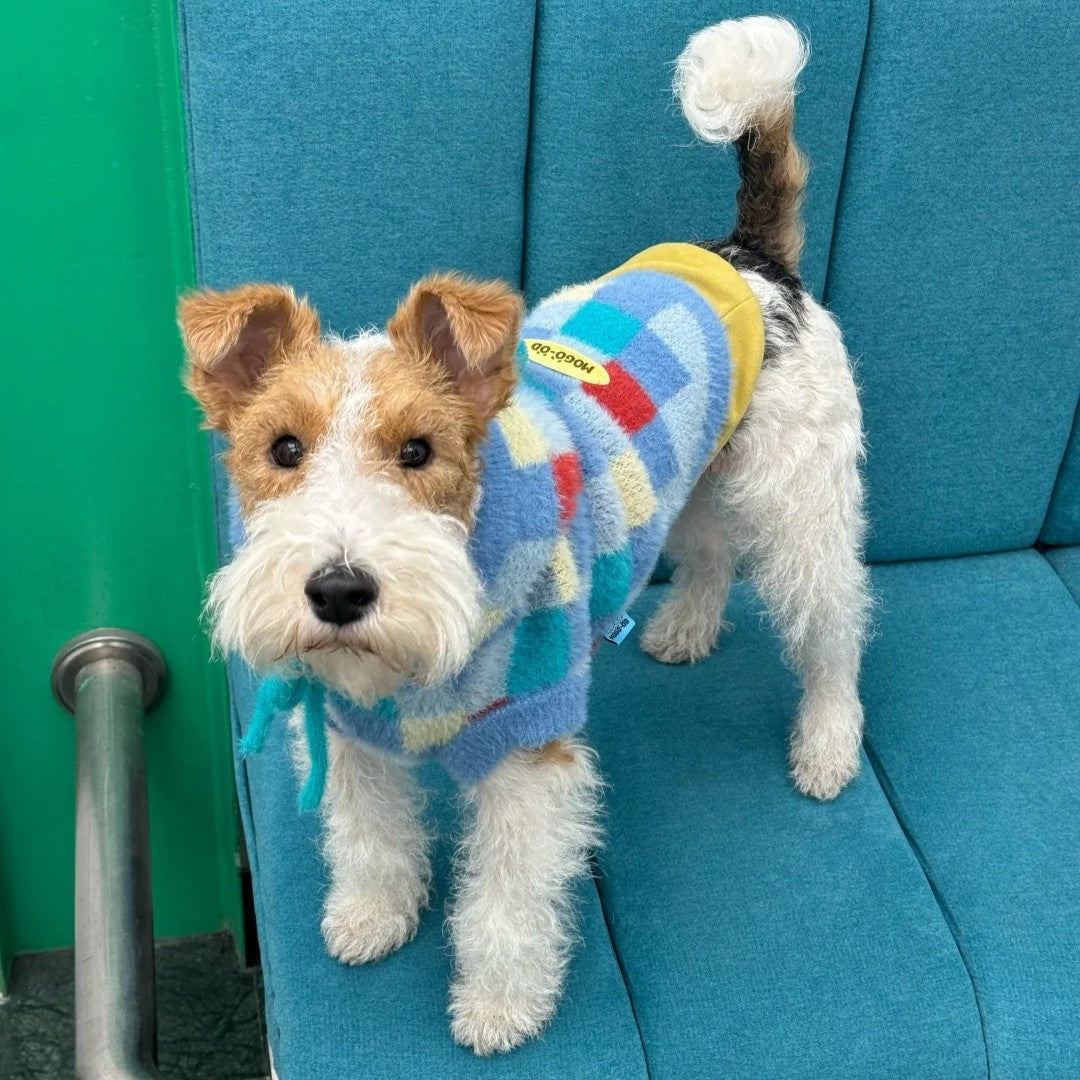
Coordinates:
(927, 923)
(972, 693)
(885, 935)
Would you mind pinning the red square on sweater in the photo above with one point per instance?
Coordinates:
(566, 469)
(624, 398)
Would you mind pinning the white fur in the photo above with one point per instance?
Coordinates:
(425, 618)
(789, 505)
(375, 845)
(377, 849)
(738, 74)
(534, 823)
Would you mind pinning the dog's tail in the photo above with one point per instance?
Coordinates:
(736, 83)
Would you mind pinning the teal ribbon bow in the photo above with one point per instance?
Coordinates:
(279, 697)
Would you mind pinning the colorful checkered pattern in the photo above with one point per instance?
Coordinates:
(581, 484)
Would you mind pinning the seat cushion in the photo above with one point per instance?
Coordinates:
(1066, 561)
(763, 934)
(612, 165)
(388, 1020)
(972, 693)
(955, 239)
(350, 146)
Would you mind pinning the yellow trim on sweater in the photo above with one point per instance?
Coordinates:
(731, 298)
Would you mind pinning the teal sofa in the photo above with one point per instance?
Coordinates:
(926, 924)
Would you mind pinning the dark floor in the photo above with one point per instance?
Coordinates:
(209, 1015)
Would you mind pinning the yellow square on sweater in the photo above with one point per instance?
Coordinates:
(632, 480)
(422, 732)
(566, 575)
(524, 439)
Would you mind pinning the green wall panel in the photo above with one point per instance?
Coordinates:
(104, 483)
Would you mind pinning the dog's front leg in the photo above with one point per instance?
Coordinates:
(376, 849)
(533, 825)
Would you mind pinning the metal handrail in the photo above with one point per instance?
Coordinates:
(109, 678)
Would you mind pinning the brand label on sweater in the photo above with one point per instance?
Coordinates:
(617, 634)
(557, 357)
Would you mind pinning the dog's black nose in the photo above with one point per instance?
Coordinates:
(340, 594)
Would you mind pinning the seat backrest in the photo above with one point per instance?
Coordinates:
(349, 147)
(953, 269)
(613, 166)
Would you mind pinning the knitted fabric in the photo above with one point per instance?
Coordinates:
(581, 484)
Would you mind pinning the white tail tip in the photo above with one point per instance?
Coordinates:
(739, 74)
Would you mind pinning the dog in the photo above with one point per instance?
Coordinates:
(363, 468)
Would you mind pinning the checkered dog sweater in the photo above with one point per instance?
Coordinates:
(582, 481)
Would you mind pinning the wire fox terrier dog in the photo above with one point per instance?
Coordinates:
(440, 520)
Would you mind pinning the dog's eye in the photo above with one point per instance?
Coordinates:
(415, 453)
(287, 452)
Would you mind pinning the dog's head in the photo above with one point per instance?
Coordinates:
(357, 465)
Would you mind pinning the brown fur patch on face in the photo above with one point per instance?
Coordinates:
(469, 329)
(261, 372)
(449, 370)
(297, 398)
(414, 398)
(234, 339)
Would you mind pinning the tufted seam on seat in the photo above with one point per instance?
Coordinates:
(842, 186)
(1053, 555)
(893, 799)
(529, 136)
(623, 974)
(1070, 454)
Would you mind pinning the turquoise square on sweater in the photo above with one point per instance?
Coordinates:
(603, 327)
(532, 375)
(612, 575)
(541, 654)
(387, 708)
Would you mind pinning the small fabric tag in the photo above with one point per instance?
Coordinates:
(557, 357)
(617, 634)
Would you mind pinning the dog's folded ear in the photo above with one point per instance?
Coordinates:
(470, 328)
(234, 338)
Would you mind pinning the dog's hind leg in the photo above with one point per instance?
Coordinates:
(796, 506)
(534, 823)
(819, 599)
(685, 627)
(376, 848)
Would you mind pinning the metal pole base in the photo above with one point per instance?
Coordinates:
(108, 643)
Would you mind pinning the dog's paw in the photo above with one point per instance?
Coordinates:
(825, 759)
(823, 779)
(678, 636)
(360, 929)
(491, 1020)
